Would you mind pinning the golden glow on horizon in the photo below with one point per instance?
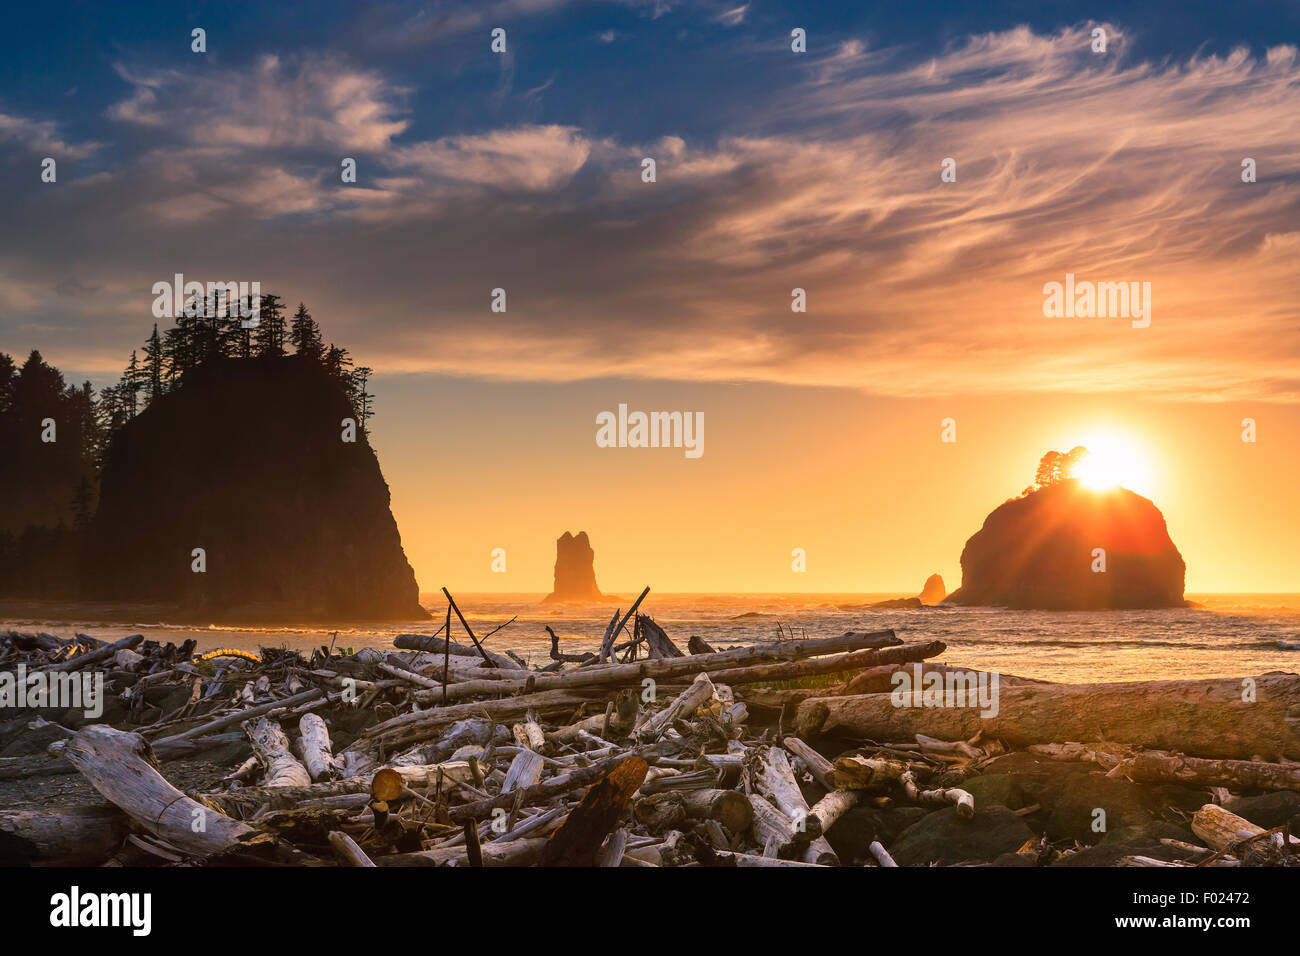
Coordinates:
(1114, 461)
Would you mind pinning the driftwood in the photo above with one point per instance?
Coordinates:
(1156, 767)
(314, 747)
(1208, 718)
(75, 836)
(121, 767)
(578, 840)
(272, 748)
(107, 652)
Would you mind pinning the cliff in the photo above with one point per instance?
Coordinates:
(246, 461)
(1038, 552)
(575, 570)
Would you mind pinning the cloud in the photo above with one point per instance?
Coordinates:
(311, 102)
(41, 137)
(1107, 166)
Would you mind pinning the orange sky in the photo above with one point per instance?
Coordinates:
(863, 484)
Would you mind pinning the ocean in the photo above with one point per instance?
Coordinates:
(1228, 635)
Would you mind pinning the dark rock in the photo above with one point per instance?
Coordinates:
(896, 604)
(1071, 792)
(1267, 810)
(575, 570)
(1037, 552)
(32, 740)
(943, 837)
(1134, 841)
(246, 460)
(853, 833)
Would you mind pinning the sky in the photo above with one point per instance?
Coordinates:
(775, 170)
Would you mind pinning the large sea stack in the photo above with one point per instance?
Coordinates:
(247, 461)
(1040, 551)
(575, 570)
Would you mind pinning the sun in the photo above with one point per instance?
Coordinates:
(1114, 461)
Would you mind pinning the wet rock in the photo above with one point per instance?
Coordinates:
(943, 837)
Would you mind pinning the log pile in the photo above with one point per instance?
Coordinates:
(444, 752)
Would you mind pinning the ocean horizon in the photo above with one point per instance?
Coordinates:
(1225, 635)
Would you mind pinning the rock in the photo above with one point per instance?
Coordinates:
(934, 592)
(245, 460)
(1038, 551)
(575, 570)
(1135, 841)
(943, 837)
(896, 604)
(854, 832)
(1070, 793)
(1267, 810)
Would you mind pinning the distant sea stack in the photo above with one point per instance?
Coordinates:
(575, 570)
(934, 592)
(1039, 551)
(247, 462)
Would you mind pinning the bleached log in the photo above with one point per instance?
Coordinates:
(683, 706)
(272, 748)
(828, 810)
(347, 849)
(506, 853)
(856, 772)
(963, 801)
(1220, 829)
(1222, 718)
(122, 768)
(530, 734)
(314, 746)
(1154, 767)
(821, 768)
(881, 855)
(525, 770)
(774, 779)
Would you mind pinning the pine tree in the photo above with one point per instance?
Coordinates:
(271, 328)
(304, 334)
(363, 403)
(131, 385)
(152, 374)
(8, 375)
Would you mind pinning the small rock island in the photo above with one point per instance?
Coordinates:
(1065, 546)
(575, 570)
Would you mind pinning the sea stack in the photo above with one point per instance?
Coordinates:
(246, 464)
(934, 592)
(1066, 547)
(575, 570)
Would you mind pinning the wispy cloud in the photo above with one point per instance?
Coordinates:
(1104, 165)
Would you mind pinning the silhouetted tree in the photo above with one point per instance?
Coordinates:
(270, 335)
(1055, 466)
(362, 401)
(152, 372)
(304, 334)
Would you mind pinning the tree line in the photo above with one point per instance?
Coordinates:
(212, 328)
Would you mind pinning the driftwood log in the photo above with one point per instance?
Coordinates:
(121, 767)
(76, 836)
(1208, 718)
